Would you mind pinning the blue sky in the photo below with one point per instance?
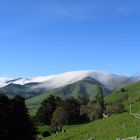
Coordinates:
(42, 37)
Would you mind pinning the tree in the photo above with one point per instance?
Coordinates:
(83, 99)
(71, 111)
(89, 112)
(4, 117)
(68, 113)
(58, 119)
(14, 120)
(100, 101)
(21, 126)
(115, 108)
(45, 112)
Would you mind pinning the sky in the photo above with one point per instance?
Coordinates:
(44, 37)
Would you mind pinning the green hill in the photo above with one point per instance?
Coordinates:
(86, 87)
(132, 91)
(26, 90)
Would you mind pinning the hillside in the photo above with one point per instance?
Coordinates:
(120, 125)
(132, 91)
(85, 87)
(26, 90)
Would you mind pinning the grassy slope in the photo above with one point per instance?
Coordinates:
(122, 125)
(133, 91)
(36, 101)
(88, 87)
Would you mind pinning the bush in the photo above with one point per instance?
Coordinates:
(123, 90)
(115, 108)
(46, 134)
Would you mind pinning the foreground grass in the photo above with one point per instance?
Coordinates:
(122, 125)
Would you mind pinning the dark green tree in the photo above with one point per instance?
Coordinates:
(68, 113)
(21, 126)
(48, 106)
(58, 117)
(4, 117)
(100, 101)
(14, 120)
(71, 111)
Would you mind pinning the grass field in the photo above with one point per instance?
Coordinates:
(122, 125)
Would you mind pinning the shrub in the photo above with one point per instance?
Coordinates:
(46, 134)
(115, 108)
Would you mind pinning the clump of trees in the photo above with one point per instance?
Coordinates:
(14, 119)
(57, 112)
(66, 114)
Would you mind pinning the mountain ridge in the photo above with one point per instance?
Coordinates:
(38, 85)
(67, 77)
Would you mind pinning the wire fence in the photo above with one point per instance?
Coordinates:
(130, 138)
